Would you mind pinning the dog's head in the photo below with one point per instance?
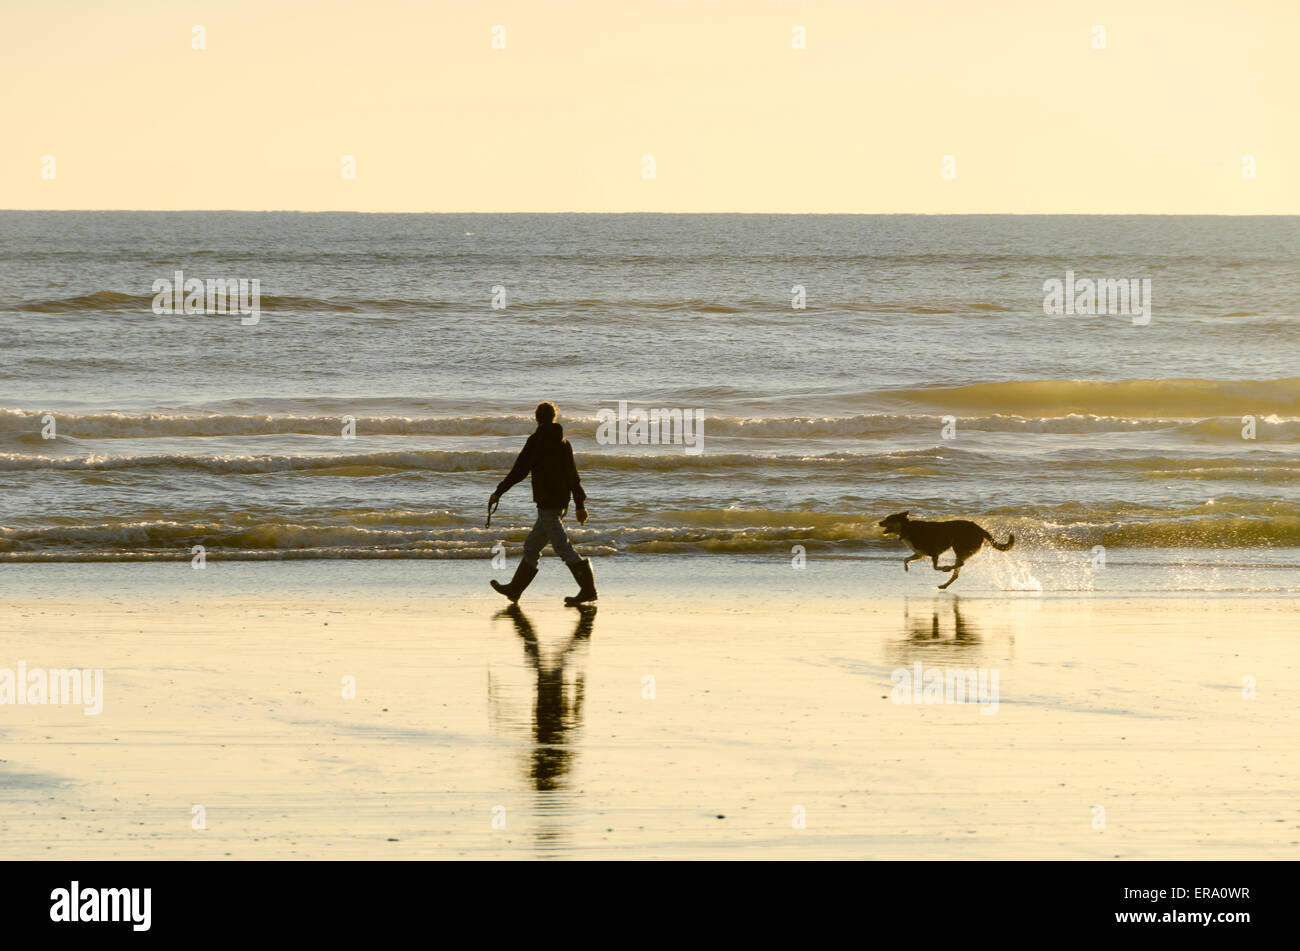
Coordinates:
(894, 524)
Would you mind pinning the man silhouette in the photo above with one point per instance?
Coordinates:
(548, 458)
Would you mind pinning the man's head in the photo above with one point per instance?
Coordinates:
(545, 413)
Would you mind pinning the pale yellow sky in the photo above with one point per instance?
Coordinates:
(1036, 119)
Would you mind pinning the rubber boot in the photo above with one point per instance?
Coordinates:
(586, 582)
(524, 576)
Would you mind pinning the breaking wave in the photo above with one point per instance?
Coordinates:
(1142, 399)
(409, 534)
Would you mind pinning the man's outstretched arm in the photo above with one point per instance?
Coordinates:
(521, 468)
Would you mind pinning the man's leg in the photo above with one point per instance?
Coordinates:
(580, 567)
(551, 523)
(527, 570)
(536, 539)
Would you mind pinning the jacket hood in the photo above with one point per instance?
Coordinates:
(550, 431)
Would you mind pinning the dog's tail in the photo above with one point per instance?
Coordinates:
(1011, 540)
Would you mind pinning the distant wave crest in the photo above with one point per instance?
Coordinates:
(116, 301)
(114, 425)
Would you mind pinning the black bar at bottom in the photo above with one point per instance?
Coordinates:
(328, 900)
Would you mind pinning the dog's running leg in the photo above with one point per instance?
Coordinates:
(908, 561)
(956, 569)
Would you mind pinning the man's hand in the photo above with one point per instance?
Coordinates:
(495, 499)
(581, 512)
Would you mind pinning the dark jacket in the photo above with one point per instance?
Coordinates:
(549, 458)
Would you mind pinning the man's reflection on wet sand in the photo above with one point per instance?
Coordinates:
(557, 710)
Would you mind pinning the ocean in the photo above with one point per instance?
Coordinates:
(391, 373)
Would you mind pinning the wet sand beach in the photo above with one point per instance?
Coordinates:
(729, 710)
